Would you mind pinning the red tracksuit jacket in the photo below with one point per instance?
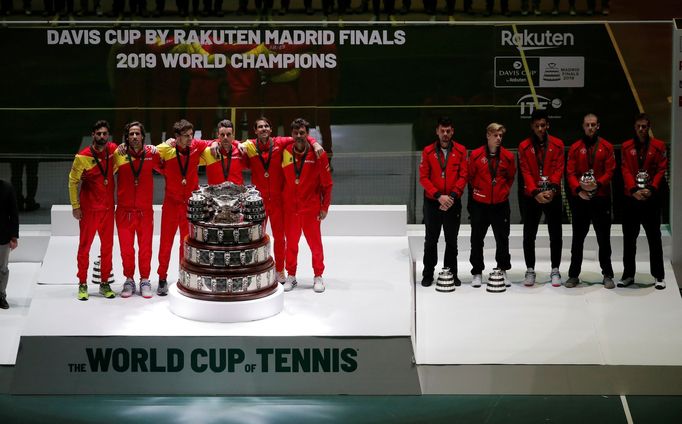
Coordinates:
(578, 163)
(175, 190)
(484, 191)
(431, 173)
(129, 195)
(529, 164)
(655, 164)
(231, 164)
(94, 195)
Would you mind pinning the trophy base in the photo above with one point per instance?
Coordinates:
(212, 311)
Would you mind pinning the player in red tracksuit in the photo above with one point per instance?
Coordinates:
(134, 213)
(592, 199)
(228, 166)
(646, 156)
(541, 163)
(181, 164)
(443, 174)
(93, 207)
(264, 158)
(307, 195)
(491, 175)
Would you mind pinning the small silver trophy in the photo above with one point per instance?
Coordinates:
(642, 179)
(544, 184)
(588, 178)
(496, 282)
(446, 281)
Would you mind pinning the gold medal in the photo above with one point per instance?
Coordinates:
(267, 174)
(297, 181)
(106, 181)
(136, 182)
(184, 181)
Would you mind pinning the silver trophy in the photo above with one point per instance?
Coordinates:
(642, 179)
(544, 184)
(496, 282)
(588, 178)
(446, 281)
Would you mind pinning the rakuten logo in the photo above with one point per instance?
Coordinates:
(537, 40)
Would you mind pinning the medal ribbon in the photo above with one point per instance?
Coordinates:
(104, 170)
(298, 170)
(641, 155)
(493, 170)
(266, 165)
(443, 163)
(593, 155)
(226, 171)
(541, 164)
(183, 168)
(138, 171)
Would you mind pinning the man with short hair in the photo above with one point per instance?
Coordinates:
(307, 196)
(93, 206)
(541, 162)
(644, 162)
(181, 161)
(228, 164)
(443, 175)
(134, 213)
(9, 235)
(589, 171)
(491, 175)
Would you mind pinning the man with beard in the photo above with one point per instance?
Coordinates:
(443, 175)
(307, 195)
(541, 162)
(93, 206)
(491, 175)
(589, 172)
(264, 157)
(134, 212)
(644, 164)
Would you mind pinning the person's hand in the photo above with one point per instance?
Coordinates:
(121, 149)
(318, 149)
(77, 213)
(446, 201)
(322, 215)
(171, 142)
(541, 198)
(215, 149)
(591, 186)
(13, 243)
(584, 195)
(642, 194)
(151, 149)
(242, 147)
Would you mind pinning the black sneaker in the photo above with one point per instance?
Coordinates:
(626, 282)
(3, 302)
(162, 290)
(427, 281)
(458, 282)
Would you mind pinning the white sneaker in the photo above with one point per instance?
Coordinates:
(476, 282)
(555, 277)
(146, 289)
(318, 284)
(660, 284)
(290, 283)
(128, 288)
(507, 281)
(529, 280)
(281, 277)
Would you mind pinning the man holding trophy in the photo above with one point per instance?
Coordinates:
(589, 172)
(541, 162)
(644, 165)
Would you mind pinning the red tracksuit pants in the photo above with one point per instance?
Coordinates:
(309, 225)
(173, 215)
(102, 223)
(129, 223)
(275, 214)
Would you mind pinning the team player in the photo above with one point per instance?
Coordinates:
(592, 198)
(443, 175)
(228, 164)
(644, 164)
(491, 175)
(264, 157)
(134, 165)
(93, 205)
(181, 160)
(307, 195)
(541, 162)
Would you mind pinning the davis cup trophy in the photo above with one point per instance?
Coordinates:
(588, 178)
(227, 260)
(446, 281)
